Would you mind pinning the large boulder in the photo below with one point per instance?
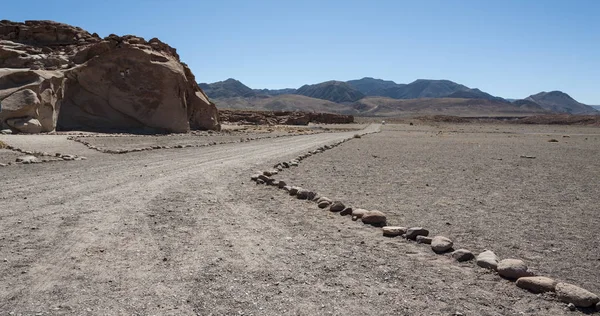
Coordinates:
(25, 125)
(64, 77)
(30, 99)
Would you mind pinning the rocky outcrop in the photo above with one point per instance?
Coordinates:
(282, 117)
(60, 76)
(30, 99)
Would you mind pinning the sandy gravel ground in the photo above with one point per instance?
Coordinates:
(184, 232)
(469, 183)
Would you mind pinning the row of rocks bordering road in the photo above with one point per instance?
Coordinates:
(33, 157)
(510, 269)
(84, 139)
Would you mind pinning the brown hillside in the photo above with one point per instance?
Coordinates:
(285, 102)
(378, 106)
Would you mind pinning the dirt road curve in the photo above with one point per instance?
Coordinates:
(183, 232)
(125, 232)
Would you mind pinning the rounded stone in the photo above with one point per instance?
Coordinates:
(302, 194)
(537, 284)
(441, 244)
(570, 293)
(359, 212)
(487, 259)
(513, 269)
(267, 173)
(413, 232)
(462, 255)
(323, 204)
(375, 218)
(264, 178)
(294, 190)
(324, 199)
(346, 211)
(393, 231)
(337, 206)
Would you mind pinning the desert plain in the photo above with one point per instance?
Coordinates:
(183, 231)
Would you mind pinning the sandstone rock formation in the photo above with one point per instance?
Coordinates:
(30, 99)
(56, 75)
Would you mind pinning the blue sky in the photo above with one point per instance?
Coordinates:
(509, 48)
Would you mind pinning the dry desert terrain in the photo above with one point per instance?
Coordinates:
(183, 231)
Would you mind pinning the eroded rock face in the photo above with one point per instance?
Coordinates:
(30, 99)
(64, 77)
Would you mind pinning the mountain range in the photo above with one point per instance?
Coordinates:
(377, 97)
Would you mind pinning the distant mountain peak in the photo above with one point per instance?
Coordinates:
(433, 80)
(558, 101)
(227, 89)
(554, 93)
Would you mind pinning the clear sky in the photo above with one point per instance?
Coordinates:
(509, 48)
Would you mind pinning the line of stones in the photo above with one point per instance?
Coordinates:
(81, 139)
(511, 269)
(31, 157)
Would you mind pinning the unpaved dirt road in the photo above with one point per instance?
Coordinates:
(123, 234)
(184, 232)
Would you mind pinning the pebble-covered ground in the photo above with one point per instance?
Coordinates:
(186, 232)
(474, 184)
